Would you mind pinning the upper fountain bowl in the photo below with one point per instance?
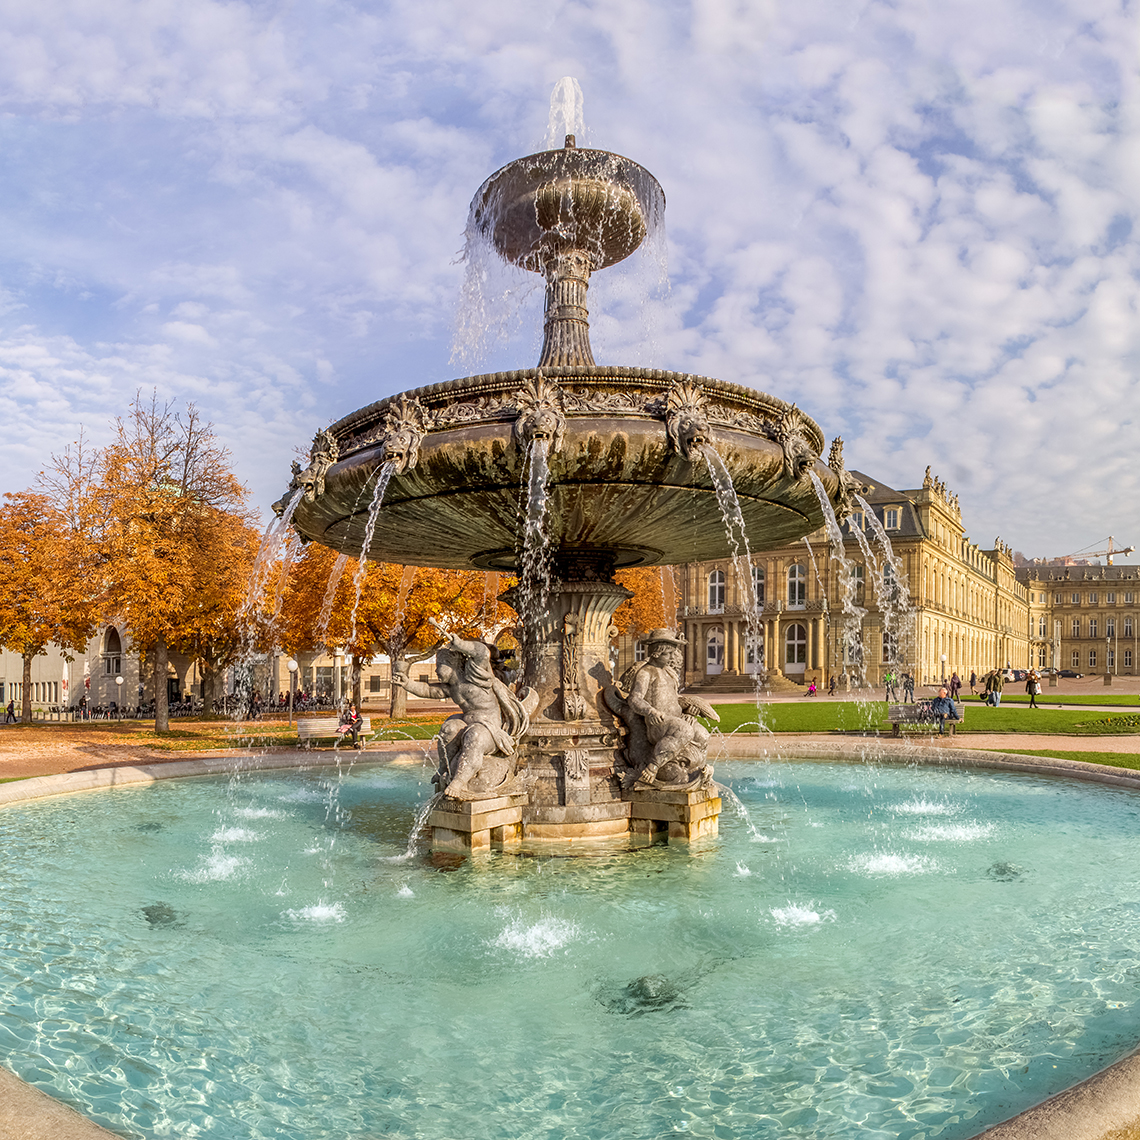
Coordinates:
(548, 204)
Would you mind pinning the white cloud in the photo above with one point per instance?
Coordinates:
(917, 222)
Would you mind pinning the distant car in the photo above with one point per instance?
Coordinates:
(1018, 674)
(1068, 673)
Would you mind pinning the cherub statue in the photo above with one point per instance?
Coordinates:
(667, 744)
(478, 746)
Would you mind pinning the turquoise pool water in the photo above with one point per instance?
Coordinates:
(881, 953)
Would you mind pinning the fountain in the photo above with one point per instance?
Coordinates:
(623, 467)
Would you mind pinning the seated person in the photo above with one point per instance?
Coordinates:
(350, 724)
(943, 708)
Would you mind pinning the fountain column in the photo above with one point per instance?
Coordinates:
(566, 328)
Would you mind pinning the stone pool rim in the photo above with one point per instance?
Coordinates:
(1092, 1109)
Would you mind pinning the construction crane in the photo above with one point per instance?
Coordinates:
(1110, 551)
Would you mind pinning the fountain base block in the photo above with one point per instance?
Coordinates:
(477, 825)
(684, 816)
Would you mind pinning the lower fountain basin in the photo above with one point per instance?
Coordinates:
(880, 950)
(618, 482)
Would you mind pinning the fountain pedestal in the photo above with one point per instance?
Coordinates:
(477, 825)
(685, 815)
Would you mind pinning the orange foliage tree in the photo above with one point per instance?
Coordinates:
(392, 615)
(46, 566)
(177, 536)
(653, 605)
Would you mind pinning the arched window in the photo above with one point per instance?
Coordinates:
(758, 583)
(797, 586)
(716, 592)
(112, 652)
(795, 647)
(714, 651)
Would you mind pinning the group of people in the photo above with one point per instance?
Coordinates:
(894, 680)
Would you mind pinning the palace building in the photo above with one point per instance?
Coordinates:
(970, 609)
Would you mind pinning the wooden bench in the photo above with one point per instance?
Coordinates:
(311, 728)
(919, 712)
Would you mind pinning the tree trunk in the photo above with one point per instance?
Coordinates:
(399, 708)
(26, 702)
(356, 694)
(161, 708)
(209, 687)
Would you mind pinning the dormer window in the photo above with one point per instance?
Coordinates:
(891, 518)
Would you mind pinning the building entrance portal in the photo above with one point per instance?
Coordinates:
(714, 662)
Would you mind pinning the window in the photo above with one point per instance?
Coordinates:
(891, 518)
(112, 666)
(639, 651)
(1041, 626)
(1041, 656)
(375, 683)
(1092, 658)
(858, 577)
(1093, 625)
(714, 649)
(1076, 659)
(1110, 659)
(1076, 627)
(1110, 627)
(758, 583)
(1128, 599)
(795, 645)
(1127, 665)
(1057, 599)
(1092, 597)
(855, 521)
(888, 648)
(797, 586)
(1127, 627)
(716, 592)
(1076, 599)
(1110, 598)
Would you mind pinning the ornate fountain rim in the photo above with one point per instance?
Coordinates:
(491, 398)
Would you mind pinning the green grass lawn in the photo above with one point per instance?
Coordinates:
(1116, 759)
(854, 716)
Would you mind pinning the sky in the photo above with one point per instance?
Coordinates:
(916, 220)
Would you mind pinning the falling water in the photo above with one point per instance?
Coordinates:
(815, 569)
(669, 596)
(737, 538)
(418, 824)
(894, 600)
(271, 544)
(330, 597)
(534, 579)
(741, 811)
(382, 481)
(851, 614)
(567, 114)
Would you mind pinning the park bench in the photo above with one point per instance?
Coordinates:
(312, 728)
(919, 712)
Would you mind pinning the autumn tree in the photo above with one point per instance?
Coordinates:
(653, 605)
(393, 612)
(172, 514)
(46, 565)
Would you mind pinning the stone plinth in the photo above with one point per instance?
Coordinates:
(476, 825)
(684, 815)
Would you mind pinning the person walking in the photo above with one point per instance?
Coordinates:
(997, 684)
(955, 686)
(908, 688)
(1033, 687)
(973, 681)
(11, 710)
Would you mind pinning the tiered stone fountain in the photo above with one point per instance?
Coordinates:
(627, 485)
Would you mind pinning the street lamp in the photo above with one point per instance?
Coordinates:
(292, 666)
(119, 700)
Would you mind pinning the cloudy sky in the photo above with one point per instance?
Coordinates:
(916, 220)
